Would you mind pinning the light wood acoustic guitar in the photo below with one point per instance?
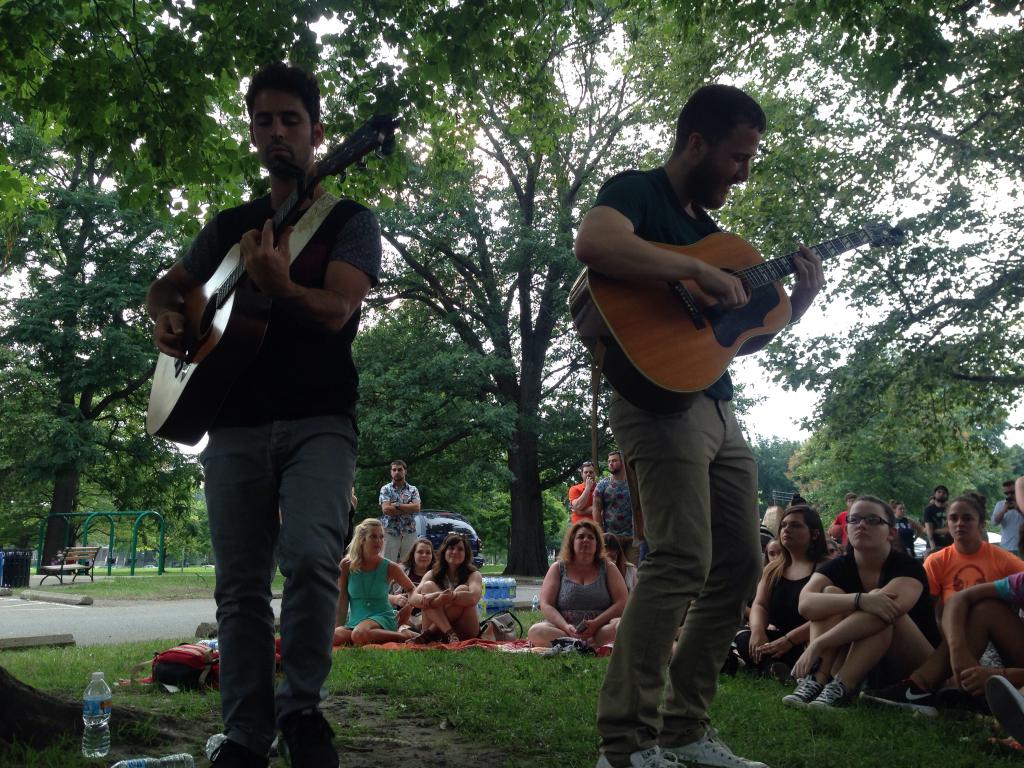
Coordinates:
(657, 342)
(226, 318)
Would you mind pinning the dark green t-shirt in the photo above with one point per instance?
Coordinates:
(647, 199)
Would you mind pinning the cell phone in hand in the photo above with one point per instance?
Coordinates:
(581, 627)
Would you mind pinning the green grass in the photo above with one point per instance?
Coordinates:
(172, 585)
(541, 712)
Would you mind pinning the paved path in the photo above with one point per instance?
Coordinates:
(112, 621)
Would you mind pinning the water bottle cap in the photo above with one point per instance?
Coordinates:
(97, 675)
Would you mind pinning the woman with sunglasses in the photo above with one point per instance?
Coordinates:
(777, 632)
(868, 609)
(449, 593)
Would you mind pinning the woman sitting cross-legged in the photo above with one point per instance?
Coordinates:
(449, 593)
(868, 608)
(777, 632)
(416, 566)
(364, 614)
(582, 596)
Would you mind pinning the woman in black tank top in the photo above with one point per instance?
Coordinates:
(778, 633)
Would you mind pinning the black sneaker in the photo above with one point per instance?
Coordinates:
(905, 695)
(309, 740)
(834, 695)
(807, 690)
(231, 754)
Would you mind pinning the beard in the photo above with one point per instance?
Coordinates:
(704, 185)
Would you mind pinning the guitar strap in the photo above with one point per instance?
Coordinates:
(310, 222)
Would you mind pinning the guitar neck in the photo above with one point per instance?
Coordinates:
(770, 271)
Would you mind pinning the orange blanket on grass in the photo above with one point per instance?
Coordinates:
(510, 646)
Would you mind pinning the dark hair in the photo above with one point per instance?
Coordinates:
(714, 111)
(1009, 482)
(940, 488)
(615, 453)
(441, 567)
(975, 501)
(399, 463)
(410, 560)
(567, 554)
(817, 548)
(282, 77)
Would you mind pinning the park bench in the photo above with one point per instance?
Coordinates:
(72, 560)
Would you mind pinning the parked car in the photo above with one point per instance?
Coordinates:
(435, 524)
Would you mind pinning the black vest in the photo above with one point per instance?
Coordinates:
(300, 371)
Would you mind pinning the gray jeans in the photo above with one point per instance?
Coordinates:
(282, 485)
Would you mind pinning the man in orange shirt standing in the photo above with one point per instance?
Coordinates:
(581, 496)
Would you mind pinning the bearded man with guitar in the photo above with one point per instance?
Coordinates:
(696, 475)
(281, 454)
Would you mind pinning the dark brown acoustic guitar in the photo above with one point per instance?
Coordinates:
(226, 318)
(659, 341)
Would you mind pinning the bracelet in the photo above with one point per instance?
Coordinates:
(856, 602)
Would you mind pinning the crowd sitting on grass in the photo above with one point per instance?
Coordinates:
(583, 595)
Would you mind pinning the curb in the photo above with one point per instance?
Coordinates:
(50, 597)
(35, 641)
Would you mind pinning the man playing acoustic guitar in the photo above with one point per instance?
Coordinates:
(696, 475)
(281, 454)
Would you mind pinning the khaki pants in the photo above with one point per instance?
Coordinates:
(698, 488)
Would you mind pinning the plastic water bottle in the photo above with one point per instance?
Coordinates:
(535, 603)
(184, 760)
(96, 717)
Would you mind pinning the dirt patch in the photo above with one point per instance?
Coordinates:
(370, 732)
(373, 732)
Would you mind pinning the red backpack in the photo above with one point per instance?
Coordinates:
(189, 665)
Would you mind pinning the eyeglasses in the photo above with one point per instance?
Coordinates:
(871, 520)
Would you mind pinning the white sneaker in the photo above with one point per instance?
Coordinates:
(648, 758)
(711, 752)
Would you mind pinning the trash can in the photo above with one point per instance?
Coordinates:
(17, 567)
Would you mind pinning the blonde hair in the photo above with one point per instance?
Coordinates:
(355, 547)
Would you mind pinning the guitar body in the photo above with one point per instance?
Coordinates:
(187, 395)
(654, 353)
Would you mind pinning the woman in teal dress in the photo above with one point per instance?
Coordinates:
(364, 614)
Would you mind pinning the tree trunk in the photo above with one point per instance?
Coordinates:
(34, 718)
(65, 488)
(31, 717)
(527, 555)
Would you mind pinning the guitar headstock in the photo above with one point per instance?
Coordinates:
(883, 234)
(375, 135)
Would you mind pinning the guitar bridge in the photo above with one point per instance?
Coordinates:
(684, 296)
